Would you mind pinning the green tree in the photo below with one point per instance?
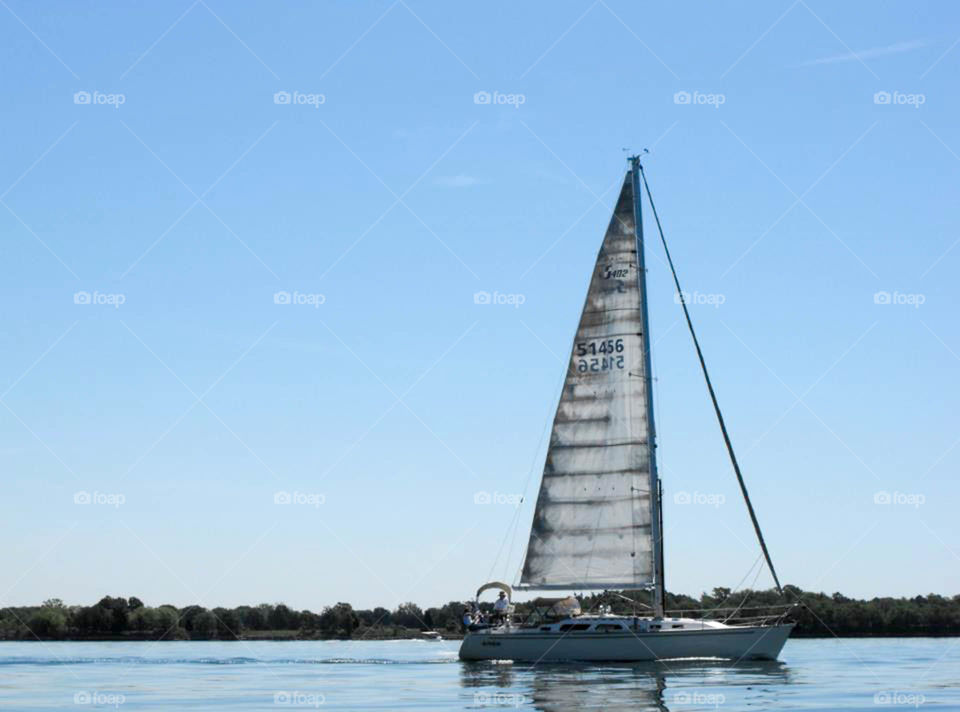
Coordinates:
(48, 622)
(228, 623)
(409, 615)
(339, 620)
(203, 625)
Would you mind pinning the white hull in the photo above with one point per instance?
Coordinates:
(708, 641)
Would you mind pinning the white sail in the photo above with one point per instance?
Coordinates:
(594, 522)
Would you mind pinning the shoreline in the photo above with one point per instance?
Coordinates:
(445, 636)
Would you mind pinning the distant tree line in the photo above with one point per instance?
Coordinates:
(816, 614)
(117, 618)
(112, 618)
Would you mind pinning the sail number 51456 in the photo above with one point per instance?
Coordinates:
(604, 346)
(605, 349)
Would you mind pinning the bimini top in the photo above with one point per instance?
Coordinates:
(496, 584)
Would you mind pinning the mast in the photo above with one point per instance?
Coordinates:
(656, 517)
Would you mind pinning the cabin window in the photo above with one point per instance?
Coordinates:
(655, 627)
(573, 627)
(608, 627)
(544, 627)
(677, 625)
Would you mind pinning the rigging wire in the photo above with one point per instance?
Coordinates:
(511, 532)
(713, 395)
(747, 597)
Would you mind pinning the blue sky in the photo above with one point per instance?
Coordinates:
(804, 158)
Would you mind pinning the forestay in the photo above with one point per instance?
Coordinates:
(592, 523)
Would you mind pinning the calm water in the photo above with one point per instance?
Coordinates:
(858, 674)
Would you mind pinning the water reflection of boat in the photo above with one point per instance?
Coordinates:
(677, 685)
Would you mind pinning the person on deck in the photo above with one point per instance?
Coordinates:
(501, 607)
(467, 619)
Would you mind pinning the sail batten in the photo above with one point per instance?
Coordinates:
(593, 523)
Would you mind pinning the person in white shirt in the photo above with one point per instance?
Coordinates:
(501, 607)
(467, 619)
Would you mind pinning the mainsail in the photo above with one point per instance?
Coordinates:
(595, 521)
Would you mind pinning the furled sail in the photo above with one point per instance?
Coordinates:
(594, 522)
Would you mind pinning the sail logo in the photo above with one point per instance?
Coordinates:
(884, 498)
(713, 499)
(98, 98)
(714, 300)
(496, 98)
(497, 498)
(298, 98)
(499, 299)
(914, 699)
(616, 272)
(897, 98)
(899, 298)
(697, 98)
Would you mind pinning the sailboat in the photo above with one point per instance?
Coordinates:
(598, 521)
